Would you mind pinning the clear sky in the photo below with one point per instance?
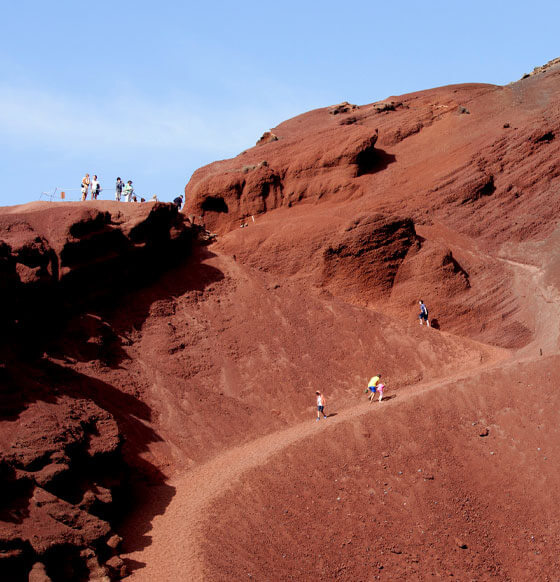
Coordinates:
(150, 91)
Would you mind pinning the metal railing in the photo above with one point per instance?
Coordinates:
(75, 195)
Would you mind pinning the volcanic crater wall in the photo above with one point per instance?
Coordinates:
(473, 166)
(376, 203)
(64, 479)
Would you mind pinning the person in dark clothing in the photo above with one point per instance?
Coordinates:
(178, 202)
(423, 316)
(118, 189)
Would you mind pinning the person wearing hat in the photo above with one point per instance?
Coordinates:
(128, 190)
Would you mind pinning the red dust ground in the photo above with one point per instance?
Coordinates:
(162, 387)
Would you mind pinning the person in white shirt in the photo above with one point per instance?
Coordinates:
(95, 188)
(321, 402)
(128, 190)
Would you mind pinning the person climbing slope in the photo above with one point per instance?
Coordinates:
(423, 316)
(380, 388)
(372, 386)
(321, 403)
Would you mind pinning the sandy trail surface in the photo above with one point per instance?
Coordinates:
(175, 553)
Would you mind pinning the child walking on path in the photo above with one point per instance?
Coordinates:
(321, 403)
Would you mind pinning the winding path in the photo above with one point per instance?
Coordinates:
(174, 554)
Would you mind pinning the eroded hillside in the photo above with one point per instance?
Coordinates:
(158, 391)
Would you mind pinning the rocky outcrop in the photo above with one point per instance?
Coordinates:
(63, 474)
(343, 107)
(55, 260)
(60, 471)
(365, 259)
(543, 68)
(267, 137)
(321, 163)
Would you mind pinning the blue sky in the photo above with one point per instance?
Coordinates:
(150, 91)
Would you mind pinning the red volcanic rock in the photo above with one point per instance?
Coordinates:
(351, 262)
(311, 166)
(61, 464)
(55, 258)
(414, 156)
(38, 441)
(117, 567)
(267, 137)
(45, 455)
(182, 393)
(425, 159)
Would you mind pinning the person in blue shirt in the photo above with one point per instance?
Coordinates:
(178, 202)
(423, 316)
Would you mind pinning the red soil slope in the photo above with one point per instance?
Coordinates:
(174, 381)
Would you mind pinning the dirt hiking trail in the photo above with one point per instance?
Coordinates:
(175, 553)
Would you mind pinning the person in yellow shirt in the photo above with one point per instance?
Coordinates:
(372, 386)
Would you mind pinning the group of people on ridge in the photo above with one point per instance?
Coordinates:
(122, 191)
(92, 184)
(126, 191)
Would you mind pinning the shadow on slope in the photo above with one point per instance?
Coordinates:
(55, 411)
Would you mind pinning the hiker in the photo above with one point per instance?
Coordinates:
(118, 189)
(85, 187)
(380, 388)
(372, 386)
(423, 315)
(128, 190)
(321, 402)
(154, 198)
(178, 202)
(95, 188)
